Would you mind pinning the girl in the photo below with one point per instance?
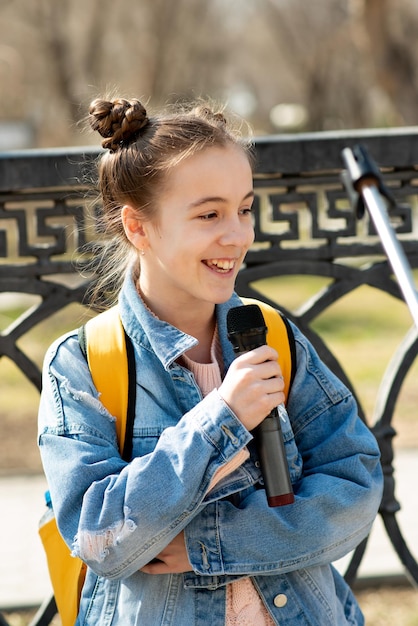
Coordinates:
(182, 535)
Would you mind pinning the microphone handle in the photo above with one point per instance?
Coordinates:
(270, 447)
(247, 331)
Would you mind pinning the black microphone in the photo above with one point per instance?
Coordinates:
(246, 331)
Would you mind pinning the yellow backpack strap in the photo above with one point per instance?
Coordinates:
(280, 337)
(111, 361)
(109, 354)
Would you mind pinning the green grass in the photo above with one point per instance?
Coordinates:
(19, 397)
(15, 391)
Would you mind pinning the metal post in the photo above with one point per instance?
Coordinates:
(364, 186)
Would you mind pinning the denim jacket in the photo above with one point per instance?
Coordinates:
(118, 516)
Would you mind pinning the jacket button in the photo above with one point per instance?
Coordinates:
(280, 600)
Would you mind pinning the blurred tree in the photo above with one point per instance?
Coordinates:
(75, 55)
(156, 48)
(187, 47)
(391, 28)
(350, 63)
(355, 59)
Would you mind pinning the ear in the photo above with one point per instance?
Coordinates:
(133, 228)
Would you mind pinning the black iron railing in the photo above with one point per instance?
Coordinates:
(305, 227)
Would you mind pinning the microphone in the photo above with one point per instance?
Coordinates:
(246, 331)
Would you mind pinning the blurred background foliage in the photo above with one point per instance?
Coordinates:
(285, 65)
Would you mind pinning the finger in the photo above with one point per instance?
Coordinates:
(273, 385)
(269, 370)
(260, 355)
(282, 384)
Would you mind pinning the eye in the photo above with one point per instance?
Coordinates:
(208, 216)
(247, 210)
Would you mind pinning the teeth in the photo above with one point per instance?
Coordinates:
(222, 264)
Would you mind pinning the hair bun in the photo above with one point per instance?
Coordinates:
(118, 121)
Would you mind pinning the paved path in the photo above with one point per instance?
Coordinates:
(23, 574)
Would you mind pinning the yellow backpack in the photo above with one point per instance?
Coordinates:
(111, 362)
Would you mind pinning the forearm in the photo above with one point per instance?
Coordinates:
(337, 498)
(254, 539)
(120, 516)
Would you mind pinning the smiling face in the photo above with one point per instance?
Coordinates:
(194, 249)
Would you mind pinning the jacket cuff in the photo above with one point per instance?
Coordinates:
(221, 427)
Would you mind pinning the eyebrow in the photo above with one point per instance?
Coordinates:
(209, 199)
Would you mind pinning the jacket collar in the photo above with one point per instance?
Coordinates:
(166, 341)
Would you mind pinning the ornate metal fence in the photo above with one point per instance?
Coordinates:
(305, 227)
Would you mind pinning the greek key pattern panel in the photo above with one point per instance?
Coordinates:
(42, 231)
(312, 218)
(298, 218)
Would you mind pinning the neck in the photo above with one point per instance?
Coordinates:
(198, 321)
(201, 352)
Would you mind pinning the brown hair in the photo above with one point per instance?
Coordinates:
(140, 152)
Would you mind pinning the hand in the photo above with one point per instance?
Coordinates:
(172, 560)
(253, 386)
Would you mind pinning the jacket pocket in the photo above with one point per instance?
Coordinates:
(145, 439)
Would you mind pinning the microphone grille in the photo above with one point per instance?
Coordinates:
(243, 318)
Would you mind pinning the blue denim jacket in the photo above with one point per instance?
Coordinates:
(118, 516)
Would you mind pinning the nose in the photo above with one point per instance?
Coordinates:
(237, 232)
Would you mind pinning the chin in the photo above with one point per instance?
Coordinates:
(222, 299)
(219, 295)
